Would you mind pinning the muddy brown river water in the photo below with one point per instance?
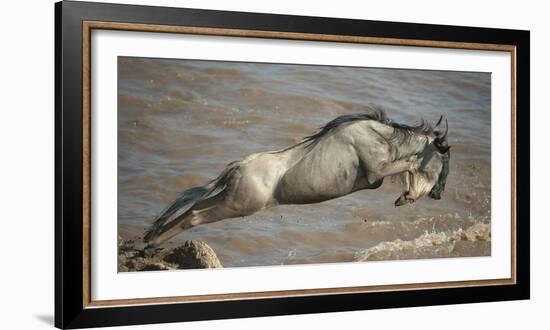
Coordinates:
(181, 121)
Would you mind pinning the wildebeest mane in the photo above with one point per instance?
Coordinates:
(401, 133)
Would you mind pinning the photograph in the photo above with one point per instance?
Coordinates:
(246, 164)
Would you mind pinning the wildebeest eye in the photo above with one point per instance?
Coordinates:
(442, 146)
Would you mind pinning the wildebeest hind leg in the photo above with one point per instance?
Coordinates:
(209, 210)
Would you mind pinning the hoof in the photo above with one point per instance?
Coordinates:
(403, 199)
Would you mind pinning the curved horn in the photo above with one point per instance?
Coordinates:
(439, 121)
(444, 136)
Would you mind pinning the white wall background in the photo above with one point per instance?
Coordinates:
(27, 168)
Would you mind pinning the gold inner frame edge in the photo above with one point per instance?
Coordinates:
(88, 26)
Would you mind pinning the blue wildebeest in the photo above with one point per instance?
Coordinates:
(350, 153)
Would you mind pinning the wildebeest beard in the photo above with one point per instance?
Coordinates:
(439, 187)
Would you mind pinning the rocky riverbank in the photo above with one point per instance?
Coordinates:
(192, 254)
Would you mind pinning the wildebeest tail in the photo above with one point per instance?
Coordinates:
(189, 197)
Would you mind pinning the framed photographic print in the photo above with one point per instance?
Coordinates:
(214, 164)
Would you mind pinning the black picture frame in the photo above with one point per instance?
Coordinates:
(70, 307)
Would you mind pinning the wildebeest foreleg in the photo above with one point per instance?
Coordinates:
(408, 182)
(390, 169)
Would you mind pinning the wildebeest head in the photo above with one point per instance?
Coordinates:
(431, 172)
(443, 154)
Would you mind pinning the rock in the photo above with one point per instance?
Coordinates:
(155, 266)
(193, 254)
(125, 245)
